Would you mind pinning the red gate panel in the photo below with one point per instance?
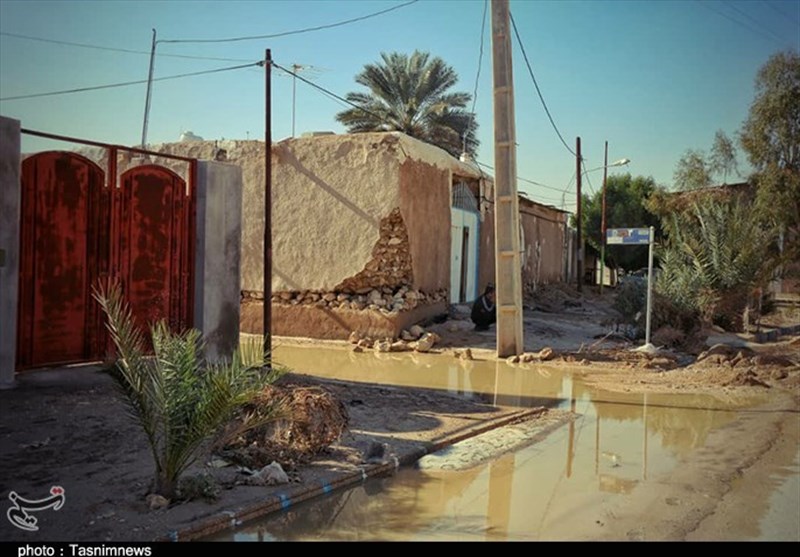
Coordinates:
(155, 244)
(64, 249)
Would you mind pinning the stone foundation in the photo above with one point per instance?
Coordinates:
(323, 322)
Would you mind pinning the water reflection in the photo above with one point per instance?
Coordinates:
(538, 492)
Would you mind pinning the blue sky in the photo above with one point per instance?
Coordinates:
(652, 78)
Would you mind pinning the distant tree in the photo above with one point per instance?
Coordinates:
(696, 169)
(692, 171)
(411, 94)
(771, 138)
(723, 157)
(626, 198)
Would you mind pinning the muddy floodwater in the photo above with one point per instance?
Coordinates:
(618, 445)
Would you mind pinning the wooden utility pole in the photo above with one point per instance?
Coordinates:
(149, 93)
(506, 202)
(268, 205)
(603, 224)
(579, 239)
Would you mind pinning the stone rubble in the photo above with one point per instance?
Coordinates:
(425, 343)
(385, 300)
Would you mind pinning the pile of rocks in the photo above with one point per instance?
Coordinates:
(390, 265)
(543, 355)
(415, 339)
(386, 300)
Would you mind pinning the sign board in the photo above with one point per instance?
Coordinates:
(628, 236)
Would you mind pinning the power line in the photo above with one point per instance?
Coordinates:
(781, 12)
(295, 32)
(328, 92)
(478, 74)
(533, 77)
(754, 20)
(128, 83)
(116, 49)
(586, 173)
(738, 22)
(524, 179)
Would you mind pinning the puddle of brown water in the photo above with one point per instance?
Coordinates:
(493, 381)
(781, 522)
(549, 490)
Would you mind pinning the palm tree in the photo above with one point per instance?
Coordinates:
(180, 400)
(715, 257)
(410, 94)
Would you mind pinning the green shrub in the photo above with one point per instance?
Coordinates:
(180, 400)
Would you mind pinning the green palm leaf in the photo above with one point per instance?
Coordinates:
(411, 94)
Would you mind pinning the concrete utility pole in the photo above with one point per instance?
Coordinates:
(267, 307)
(603, 224)
(149, 93)
(579, 239)
(506, 202)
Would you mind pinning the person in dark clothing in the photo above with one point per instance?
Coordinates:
(483, 310)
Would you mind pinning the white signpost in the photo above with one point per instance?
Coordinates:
(637, 237)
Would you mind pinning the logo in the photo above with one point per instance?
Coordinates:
(18, 513)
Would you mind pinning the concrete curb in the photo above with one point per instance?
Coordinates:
(775, 334)
(230, 519)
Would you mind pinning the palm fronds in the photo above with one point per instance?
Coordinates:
(410, 94)
(180, 400)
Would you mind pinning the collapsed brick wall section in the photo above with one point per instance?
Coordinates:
(390, 266)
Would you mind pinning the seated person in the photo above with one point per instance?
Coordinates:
(483, 310)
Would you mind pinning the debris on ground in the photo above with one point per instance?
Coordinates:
(271, 474)
(746, 378)
(156, 501)
(425, 343)
(312, 420)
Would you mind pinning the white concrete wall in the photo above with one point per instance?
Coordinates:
(10, 194)
(218, 256)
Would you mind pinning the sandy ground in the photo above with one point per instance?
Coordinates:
(65, 427)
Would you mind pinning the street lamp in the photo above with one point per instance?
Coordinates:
(579, 242)
(621, 162)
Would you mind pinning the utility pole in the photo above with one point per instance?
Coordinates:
(268, 207)
(603, 223)
(579, 242)
(506, 201)
(149, 93)
(295, 68)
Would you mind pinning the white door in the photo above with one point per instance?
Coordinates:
(464, 236)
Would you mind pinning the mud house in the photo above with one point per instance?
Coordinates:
(372, 232)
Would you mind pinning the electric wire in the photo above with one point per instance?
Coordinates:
(781, 12)
(116, 49)
(536, 84)
(129, 83)
(754, 20)
(709, 6)
(478, 74)
(294, 32)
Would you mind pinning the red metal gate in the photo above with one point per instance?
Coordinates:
(154, 240)
(64, 216)
(76, 229)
